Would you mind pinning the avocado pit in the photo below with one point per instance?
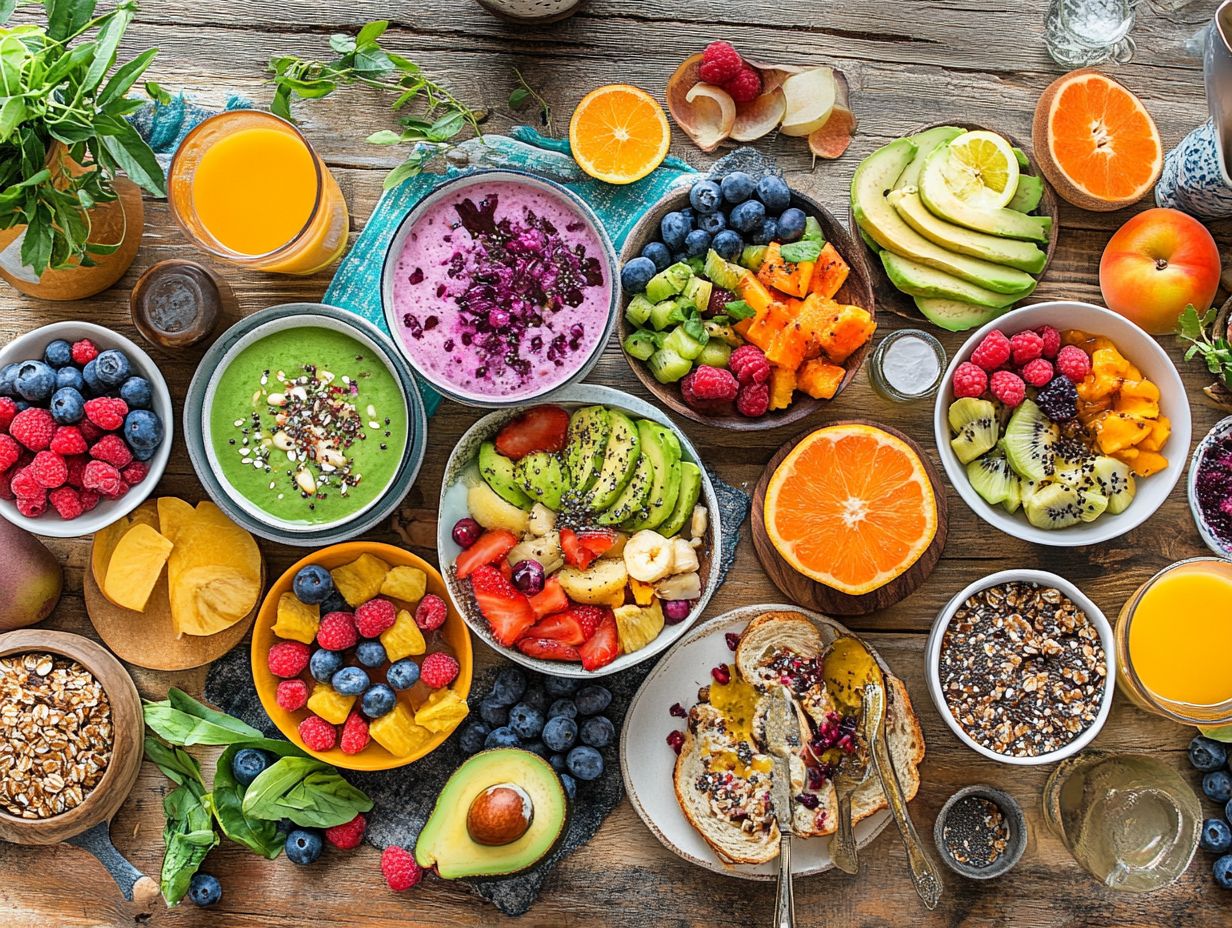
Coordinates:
(499, 815)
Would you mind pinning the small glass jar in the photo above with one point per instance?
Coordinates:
(907, 365)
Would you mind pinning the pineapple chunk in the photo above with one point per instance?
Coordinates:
(405, 583)
(361, 579)
(329, 704)
(637, 626)
(489, 510)
(403, 638)
(442, 712)
(296, 620)
(542, 520)
(397, 732)
(599, 585)
(545, 550)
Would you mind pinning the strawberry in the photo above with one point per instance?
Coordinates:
(563, 627)
(507, 610)
(603, 647)
(590, 617)
(598, 541)
(490, 548)
(540, 428)
(550, 599)
(581, 548)
(548, 650)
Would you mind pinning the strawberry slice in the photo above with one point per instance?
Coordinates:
(590, 617)
(507, 610)
(550, 599)
(562, 626)
(597, 541)
(540, 428)
(548, 650)
(490, 548)
(603, 647)
(581, 548)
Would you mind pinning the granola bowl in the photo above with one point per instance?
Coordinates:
(1064, 682)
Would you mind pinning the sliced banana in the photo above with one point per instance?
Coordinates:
(684, 557)
(649, 556)
(542, 520)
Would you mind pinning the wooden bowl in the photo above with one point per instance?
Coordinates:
(890, 297)
(857, 291)
(101, 803)
(373, 757)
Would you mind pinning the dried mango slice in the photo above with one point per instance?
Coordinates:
(135, 566)
(361, 579)
(397, 732)
(443, 711)
(220, 597)
(405, 583)
(329, 704)
(403, 638)
(146, 514)
(297, 620)
(105, 541)
(208, 539)
(173, 512)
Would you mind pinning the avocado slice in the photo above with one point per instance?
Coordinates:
(925, 142)
(589, 428)
(874, 178)
(956, 315)
(1028, 195)
(1006, 223)
(662, 448)
(634, 495)
(446, 842)
(620, 458)
(1013, 252)
(686, 499)
(498, 473)
(917, 279)
(540, 475)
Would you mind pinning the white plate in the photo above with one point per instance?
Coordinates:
(649, 777)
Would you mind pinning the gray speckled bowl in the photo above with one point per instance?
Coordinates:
(1221, 430)
(1018, 832)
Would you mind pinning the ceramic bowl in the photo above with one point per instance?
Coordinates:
(1140, 349)
(204, 461)
(1221, 431)
(107, 511)
(932, 660)
(459, 185)
(453, 507)
(1014, 818)
(373, 757)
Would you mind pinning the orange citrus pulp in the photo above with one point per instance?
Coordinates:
(619, 134)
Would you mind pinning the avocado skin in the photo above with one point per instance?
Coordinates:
(917, 279)
(500, 473)
(925, 143)
(1018, 254)
(955, 315)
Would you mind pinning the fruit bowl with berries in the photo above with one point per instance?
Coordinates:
(1062, 424)
(85, 428)
(746, 304)
(578, 537)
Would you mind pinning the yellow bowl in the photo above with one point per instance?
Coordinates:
(454, 632)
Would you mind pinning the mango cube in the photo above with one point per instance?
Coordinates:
(403, 638)
(405, 583)
(296, 620)
(1161, 431)
(782, 386)
(397, 732)
(1139, 397)
(361, 579)
(329, 704)
(643, 593)
(442, 712)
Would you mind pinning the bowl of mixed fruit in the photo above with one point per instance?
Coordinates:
(578, 537)
(746, 304)
(1062, 424)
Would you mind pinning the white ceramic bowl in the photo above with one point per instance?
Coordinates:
(1221, 430)
(1043, 578)
(31, 345)
(1142, 351)
(453, 507)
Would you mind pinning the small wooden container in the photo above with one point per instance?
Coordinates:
(177, 303)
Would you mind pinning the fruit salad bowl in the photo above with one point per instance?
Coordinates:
(566, 552)
(1076, 446)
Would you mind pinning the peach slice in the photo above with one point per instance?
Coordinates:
(810, 97)
(758, 117)
(706, 115)
(832, 139)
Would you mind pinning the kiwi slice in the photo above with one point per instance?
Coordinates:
(1091, 505)
(992, 478)
(1115, 481)
(974, 423)
(1029, 440)
(1053, 506)
(1013, 497)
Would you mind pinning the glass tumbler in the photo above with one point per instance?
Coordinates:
(1084, 33)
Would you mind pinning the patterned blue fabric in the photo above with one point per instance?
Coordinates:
(164, 125)
(1192, 180)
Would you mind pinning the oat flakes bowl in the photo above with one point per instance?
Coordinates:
(1077, 655)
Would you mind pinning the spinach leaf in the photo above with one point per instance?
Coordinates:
(188, 834)
(739, 309)
(183, 720)
(310, 793)
(258, 835)
(795, 252)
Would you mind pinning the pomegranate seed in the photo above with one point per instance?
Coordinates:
(733, 640)
(677, 710)
(675, 741)
(721, 674)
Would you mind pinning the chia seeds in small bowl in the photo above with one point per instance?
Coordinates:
(980, 832)
(1210, 488)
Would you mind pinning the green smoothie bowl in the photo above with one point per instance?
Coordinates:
(304, 424)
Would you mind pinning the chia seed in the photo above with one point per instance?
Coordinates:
(976, 832)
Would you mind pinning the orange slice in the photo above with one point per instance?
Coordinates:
(851, 507)
(1096, 142)
(619, 134)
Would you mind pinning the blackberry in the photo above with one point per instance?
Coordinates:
(1058, 399)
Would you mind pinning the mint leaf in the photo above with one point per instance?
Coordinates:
(739, 309)
(795, 252)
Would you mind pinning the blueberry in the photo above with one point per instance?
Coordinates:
(35, 381)
(494, 713)
(558, 762)
(1207, 754)
(697, 243)
(67, 406)
(585, 763)
(597, 731)
(713, 223)
(378, 700)
(565, 707)
(672, 229)
(690, 216)
(1222, 869)
(403, 674)
(508, 687)
(312, 584)
(350, 681)
(767, 232)
(526, 722)
(561, 686)
(334, 603)
(58, 353)
(636, 274)
(70, 377)
(502, 738)
(679, 257)
(706, 197)
(143, 431)
(791, 225)
(303, 846)
(569, 784)
(247, 765)
(1227, 811)
(537, 747)
(1216, 836)
(89, 374)
(8, 380)
(137, 392)
(747, 216)
(560, 733)
(371, 653)
(591, 700)
(728, 244)
(473, 736)
(737, 187)
(324, 664)
(21, 405)
(1218, 786)
(112, 367)
(658, 253)
(204, 890)
(535, 696)
(774, 192)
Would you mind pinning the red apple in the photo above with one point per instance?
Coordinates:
(1155, 265)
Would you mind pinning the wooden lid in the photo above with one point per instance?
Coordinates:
(177, 303)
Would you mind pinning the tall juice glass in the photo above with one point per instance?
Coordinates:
(1173, 639)
(247, 187)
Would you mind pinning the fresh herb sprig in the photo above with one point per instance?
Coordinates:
(432, 117)
(524, 95)
(1213, 348)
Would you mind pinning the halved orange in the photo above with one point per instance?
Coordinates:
(619, 134)
(851, 506)
(1095, 141)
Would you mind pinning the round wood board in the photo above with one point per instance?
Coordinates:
(146, 638)
(813, 595)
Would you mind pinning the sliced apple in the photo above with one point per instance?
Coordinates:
(757, 117)
(810, 99)
(832, 139)
(706, 115)
(773, 75)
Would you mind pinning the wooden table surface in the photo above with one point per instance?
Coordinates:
(910, 62)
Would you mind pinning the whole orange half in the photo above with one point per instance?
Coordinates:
(619, 134)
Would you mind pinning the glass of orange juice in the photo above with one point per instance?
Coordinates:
(1173, 638)
(247, 187)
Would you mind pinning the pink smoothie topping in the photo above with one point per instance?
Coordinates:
(500, 291)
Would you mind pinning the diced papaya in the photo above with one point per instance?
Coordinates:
(788, 346)
(136, 566)
(1126, 455)
(782, 386)
(442, 711)
(820, 379)
(329, 704)
(847, 331)
(403, 638)
(1116, 431)
(829, 273)
(815, 315)
(297, 620)
(790, 277)
(1140, 397)
(768, 324)
(1148, 462)
(1161, 431)
(1090, 410)
(751, 290)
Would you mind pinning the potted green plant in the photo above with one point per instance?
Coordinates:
(70, 225)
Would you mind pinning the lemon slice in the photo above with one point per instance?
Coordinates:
(1221, 733)
(981, 169)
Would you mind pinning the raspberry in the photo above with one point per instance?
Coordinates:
(76, 465)
(1073, 362)
(89, 499)
(34, 428)
(374, 617)
(337, 631)
(720, 63)
(993, 351)
(349, 836)
(1008, 388)
(438, 669)
(399, 868)
(8, 409)
(113, 450)
(1026, 346)
(107, 412)
(101, 476)
(10, 451)
(31, 507)
(135, 472)
(354, 734)
(89, 431)
(1052, 340)
(1037, 372)
(317, 734)
(292, 695)
(68, 441)
(6, 485)
(753, 400)
(25, 486)
(287, 658)
(48, 469)
(749, 365)
(707, 387)
(66, 502)
(745, 87)
(431, 612)
(969, 380)
(84, 352)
